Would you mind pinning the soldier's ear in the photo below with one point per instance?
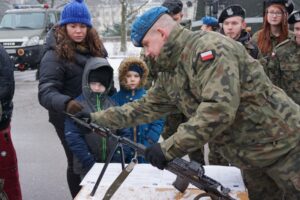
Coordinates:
(244, 25)
(163, 33)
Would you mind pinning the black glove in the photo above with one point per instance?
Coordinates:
(155, 156)
(86, 116)
(73, 107)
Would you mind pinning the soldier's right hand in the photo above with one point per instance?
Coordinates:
(73, 107)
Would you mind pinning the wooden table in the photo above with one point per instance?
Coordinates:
(147, 182)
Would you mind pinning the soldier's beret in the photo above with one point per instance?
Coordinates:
(231, 11)
(143, 23)
(294, 17)
(210, 21)
(288, 4)
(174, 6)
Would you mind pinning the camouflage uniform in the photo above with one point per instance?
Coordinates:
(228, 99)
(274, 42)
(284, 68)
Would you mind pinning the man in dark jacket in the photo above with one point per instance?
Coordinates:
(9, 176)
(233, 26)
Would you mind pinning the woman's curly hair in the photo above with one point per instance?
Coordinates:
(66, 48)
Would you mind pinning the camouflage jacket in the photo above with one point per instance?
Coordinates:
(226, 97)
(274, 42)
(284, 68)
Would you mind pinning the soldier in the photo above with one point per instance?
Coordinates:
(175, 11)
(284, 66)
(233, 26)
(275, 26)
(209, 24)
(226, 97)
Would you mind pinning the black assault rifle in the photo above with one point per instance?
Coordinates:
(191, 172)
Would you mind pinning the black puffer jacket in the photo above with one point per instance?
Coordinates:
(59, 81)
(7, 88)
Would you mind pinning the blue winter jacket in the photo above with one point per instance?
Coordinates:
(147, 134)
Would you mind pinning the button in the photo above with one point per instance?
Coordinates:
(3, 153)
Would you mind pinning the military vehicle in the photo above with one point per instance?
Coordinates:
(23, 31)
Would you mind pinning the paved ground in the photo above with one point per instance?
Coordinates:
(42, 163)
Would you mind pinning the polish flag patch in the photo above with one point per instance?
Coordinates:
(208, 55)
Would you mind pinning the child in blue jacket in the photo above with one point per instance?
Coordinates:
(133, 74)
(88, 147)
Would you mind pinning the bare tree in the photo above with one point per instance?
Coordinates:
(126, 17)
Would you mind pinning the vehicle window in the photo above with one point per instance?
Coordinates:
(33, 20)
(51, 19)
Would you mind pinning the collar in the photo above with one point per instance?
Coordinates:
(170, 52)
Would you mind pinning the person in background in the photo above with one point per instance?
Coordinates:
(68, 46)
(9, 176)
(227, 98)
(89, 147)
(175, 9)
(284, 66)
(133, 74)
(209, 24)
(233, 23)
(275, 27)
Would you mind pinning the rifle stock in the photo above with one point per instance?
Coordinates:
(192, 172)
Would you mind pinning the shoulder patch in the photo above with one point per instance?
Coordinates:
(207, 55)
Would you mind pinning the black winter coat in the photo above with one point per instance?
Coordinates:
(59, 81)
(7, 88)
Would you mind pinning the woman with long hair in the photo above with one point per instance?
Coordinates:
(275, 27)
(68, 46)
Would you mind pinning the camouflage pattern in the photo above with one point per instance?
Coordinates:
(284, 68)
(274, 42)
(228, 99)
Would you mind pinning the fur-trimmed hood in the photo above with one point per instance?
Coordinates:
(124, 67)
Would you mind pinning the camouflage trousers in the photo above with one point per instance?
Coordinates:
(280, 181)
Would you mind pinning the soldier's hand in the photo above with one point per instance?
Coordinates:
(155, 156)
(86, 116)
(73, 107)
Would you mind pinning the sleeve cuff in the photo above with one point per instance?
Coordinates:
(171, 150)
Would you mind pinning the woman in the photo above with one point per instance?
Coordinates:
(68, 46)
(275, 26)
(283, 68)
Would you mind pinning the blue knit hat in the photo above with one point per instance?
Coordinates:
(75, 11)
(143, 23)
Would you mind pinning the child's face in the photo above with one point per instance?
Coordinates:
(97, 87)
(132, 79)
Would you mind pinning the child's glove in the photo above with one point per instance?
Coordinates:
(155, 156)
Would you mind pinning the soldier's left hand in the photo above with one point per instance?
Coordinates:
(155, 156)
